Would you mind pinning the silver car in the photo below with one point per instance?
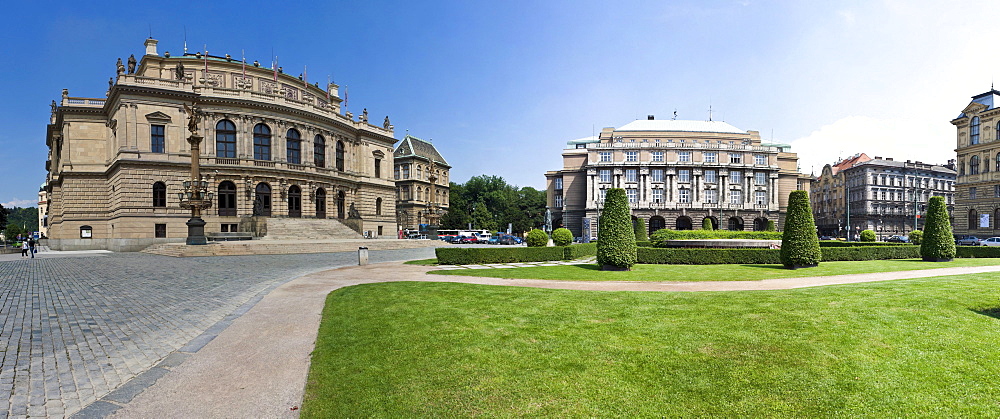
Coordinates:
(992, 241)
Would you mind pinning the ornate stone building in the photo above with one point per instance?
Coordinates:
(422, 184)
(676, 174)
(274, 146)
(977, 195)
(887, 196)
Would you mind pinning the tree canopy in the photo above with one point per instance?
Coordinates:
(486, 198)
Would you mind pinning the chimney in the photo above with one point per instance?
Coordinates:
(151, 46)
(878, 158)
(650, 117)
(888, 159)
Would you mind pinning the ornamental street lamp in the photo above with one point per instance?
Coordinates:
(195, 195)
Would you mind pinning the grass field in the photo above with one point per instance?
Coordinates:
(923, 347)
(592, 272)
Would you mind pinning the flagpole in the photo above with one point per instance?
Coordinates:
(243, 53)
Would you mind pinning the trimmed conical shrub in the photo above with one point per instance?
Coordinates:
(615, 237)
(706, 224)
(640, 230)
(799, 243)
(938, 245)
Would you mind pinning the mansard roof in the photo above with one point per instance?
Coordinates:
(988, 99)
(680, 126)
(414, 147)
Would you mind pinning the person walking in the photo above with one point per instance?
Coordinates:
(24, 248)
(31, 247)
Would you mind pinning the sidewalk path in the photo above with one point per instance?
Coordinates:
(257, 367)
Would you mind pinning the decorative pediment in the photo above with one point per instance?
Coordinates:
(158, 117)
(378, 154)
(974, 108)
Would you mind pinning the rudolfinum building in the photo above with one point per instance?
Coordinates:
(676, 174)
(276, 149)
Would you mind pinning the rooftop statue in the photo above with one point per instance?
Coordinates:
(385, 124)
(120, 66)
(131, 64)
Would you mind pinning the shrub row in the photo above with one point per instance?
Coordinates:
(659, 236)
(479, 255)
(977, 252)
(772, 256)
(835, 243)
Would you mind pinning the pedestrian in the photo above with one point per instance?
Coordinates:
(31, 246)
(24, 248)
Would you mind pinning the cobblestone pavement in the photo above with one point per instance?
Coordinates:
(72, 329)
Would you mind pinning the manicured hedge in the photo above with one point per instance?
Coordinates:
(480, 255)
(644, 243)
(834, 243)
(770, 256)
(870, 253)
(659, 236)
(977, 252)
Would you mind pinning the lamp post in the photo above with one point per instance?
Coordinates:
(195, 196)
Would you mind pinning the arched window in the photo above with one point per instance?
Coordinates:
(760, 224)
(321, 203)
(261, 142)
(713, 220)
(340, 156)
(973, 219)
(227, 199)
(974, 165)
(262, 200)
(998, 160)
(319, 151)
(996, 221)
(378, 206)
(656, 222)
(293, 146)
(225, 139)
(159, 195)
(683, 223)
(974, 131)
(735, 224)
(294, 201)
(340, 204)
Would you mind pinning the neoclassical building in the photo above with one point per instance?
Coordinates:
(977, 197)
(676, 174)
(884, 195)
(274, 146)
(422, 184)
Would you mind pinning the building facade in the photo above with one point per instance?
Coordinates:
(274, 146)
(977, 197)
(886, 196)
(422, 184)
(676, 174)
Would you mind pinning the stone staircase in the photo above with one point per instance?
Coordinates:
(308, 229)
(277, 247)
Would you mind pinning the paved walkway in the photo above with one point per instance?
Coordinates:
(257, 366)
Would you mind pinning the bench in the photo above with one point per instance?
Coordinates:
(229, 236)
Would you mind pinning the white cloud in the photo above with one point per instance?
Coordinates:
(22, 203)
(898, 138)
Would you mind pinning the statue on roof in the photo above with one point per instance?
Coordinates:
(385, 124)
(120, 66)
(131, 64)
(179, 71)
(364, 115)
(53, 105)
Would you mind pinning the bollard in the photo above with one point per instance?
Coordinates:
(362, 256)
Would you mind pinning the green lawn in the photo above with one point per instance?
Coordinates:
(923, 347)
(593, 272)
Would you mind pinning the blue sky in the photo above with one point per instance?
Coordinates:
(501, 86)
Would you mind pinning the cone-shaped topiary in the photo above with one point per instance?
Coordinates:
(537, 238)
(639, 227)
(706, 224)
(616, 238)
(562, 237)
(799, 243)
(916, 236)
(867, 235)
(938, 245)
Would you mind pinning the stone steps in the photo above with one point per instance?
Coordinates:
(308, 229)
(276, 247)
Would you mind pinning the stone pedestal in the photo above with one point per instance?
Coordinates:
(196, 231)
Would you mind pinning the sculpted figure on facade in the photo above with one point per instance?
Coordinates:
(179, 71)
(120, 67)
(364, 115)
(385, 124)
(194, 118)
(131, 64)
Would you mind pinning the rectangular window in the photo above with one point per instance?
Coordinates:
(684, 175)
(657, 156)
(559, 202)
(972, 193)
(684, 196)
(736, 158)
(602, 194)
(684, 156)
(711, 196)
(760, 197)
(406, 171)
(656, 175)
(160, 231)
(657, 195)
(395, 172)
(735, 177)
(711, 157)
(157, 141)
(633, 195)
(710, 176)
(558, 182)
(736, 196)
(605, 156)
(378, 168)
(760, 159)
(605, 176)
(406, 193)
(760, 178)
(996, 191)
(630, 175)
(631, 156)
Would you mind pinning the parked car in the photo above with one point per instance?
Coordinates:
(827, 238)
(898, 239)
(468, 239)
(968, 241)
(992, 241)
(509, 240)
(494, 240)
